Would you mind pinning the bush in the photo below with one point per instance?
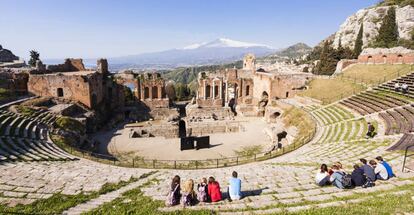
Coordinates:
(69, 124)
(25, 110)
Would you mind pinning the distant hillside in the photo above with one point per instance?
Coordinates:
(292, 52)
(219, 51)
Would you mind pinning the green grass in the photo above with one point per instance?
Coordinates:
(248, 151)
(25, 110)
(375, 74)
(60, 202)
(69, 124)
(331, 90)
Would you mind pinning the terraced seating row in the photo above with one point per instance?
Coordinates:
(406, 140)
(331, 114)
(41, 116)
(344, 131)
(19, 149)
(286, 181)
(399, 120)
(408, 79)
(373, 101)
(15, 125)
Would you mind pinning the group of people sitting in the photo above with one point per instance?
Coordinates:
(207, 191)
(401, 87)
(364, 174)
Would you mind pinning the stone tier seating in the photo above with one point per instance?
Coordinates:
(399, 120)
(406, 140)
(372, 102)
(408, 79)
(25, 139)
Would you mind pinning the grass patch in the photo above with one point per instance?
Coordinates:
(301, 120)
(249, 151)
(25, 110)
(60, 202)
(376, 74)
(331, 90)
(69, 124)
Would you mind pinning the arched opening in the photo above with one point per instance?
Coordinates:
(146, 93)
(287, 94)
(155, 92)
(384, 58)
(247, 90)
(94, 100)
(370, 59)
(163, 93)
(232, 105)
(208, 93)
(216, 91)
(182, 132)
(400, 59)
(275, 115)
(59, 92)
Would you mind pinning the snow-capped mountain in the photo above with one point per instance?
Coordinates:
(224, 42)
(218, 51)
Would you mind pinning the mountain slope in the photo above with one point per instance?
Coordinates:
(292, 52)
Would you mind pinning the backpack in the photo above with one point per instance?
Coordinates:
(171, 200)
(187, 199)
(369, 183)
(346, 180)
(202, 194)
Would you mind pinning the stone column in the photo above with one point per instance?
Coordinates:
(221, 89)
(150, 92)
(214, 90)
(160, 92)
(226, 96)
(204, 90)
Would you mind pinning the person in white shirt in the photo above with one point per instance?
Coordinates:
(404, 88)
(380, 170)
(397, 87)
(322, 176)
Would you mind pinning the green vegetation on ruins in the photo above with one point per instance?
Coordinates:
(302, 121)
(69, 124)
(61, 202)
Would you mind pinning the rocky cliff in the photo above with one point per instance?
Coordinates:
(6, 55)
(372, 19)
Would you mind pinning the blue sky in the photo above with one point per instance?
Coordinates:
(108, 28)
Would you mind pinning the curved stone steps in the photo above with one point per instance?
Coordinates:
(33, 150)
(12, 144)
(4, 124)
(19, 132)
(56, 149)
(58, 155)
(12, 151)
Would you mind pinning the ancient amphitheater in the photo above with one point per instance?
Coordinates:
(35, 170)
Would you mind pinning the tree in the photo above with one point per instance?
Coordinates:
(34, 56)
(388, 32)
(359, 42)
(181, 91)
(328, 60)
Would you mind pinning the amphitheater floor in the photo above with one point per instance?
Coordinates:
(223, 144)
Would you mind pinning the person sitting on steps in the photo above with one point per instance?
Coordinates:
(322, 176)
(214, 190)
(189, 197)
(336, 177)
(371, 130)
(368, 170)
(202, 189)
(358, 177)
(174, 195)
(234, 189)
(386, 165)
(379, 169)
(397, 87)
(404, 88)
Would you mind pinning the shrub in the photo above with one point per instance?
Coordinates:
(69, 124)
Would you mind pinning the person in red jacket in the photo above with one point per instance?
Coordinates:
(214, 190)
